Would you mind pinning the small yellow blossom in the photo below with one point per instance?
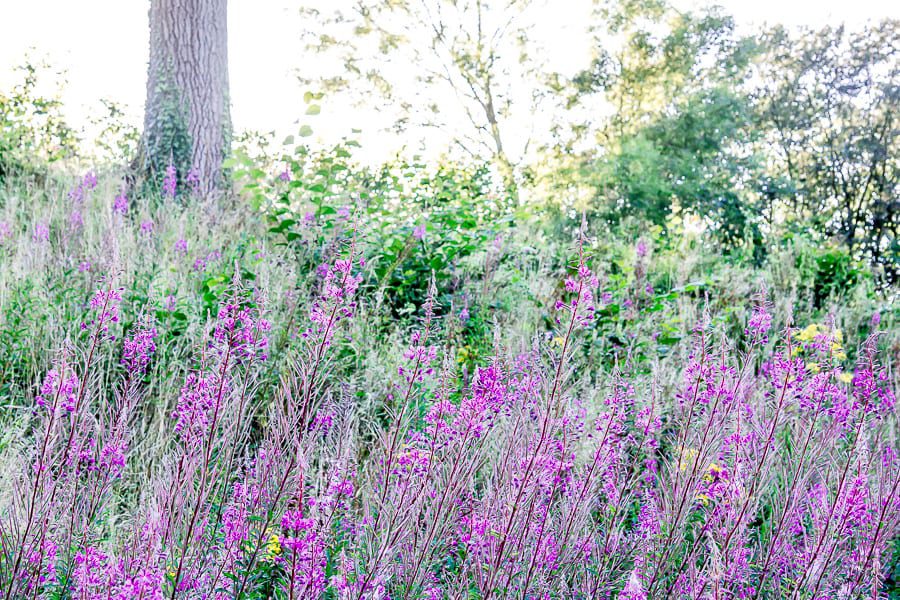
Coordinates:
(813, 331)
(846, 377)
(808, 333)
(463, 354)
(273, 547)
(711, 473)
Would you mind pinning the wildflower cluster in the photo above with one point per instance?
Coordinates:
(764, 466)
(336, 300)
(582, 302)
(170, 181)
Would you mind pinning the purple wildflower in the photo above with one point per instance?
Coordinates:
(170, 181)
(642, 248)
(138, 349)
(193, 179)
(76, 220)
(5, 232)
(89, 181)
(760, 322)
(90, 572)
(59, 389)
(192, 413)
(106, 303)
(41, 233)
(336, 301)
(120, 204)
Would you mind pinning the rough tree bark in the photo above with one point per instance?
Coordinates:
(187, 121)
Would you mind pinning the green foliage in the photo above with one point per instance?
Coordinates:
(17, 333)
(33, 131)
(419, 222)
(752, 135)
(450, 215)
(117, 141)
(829, 100)
(832, 272)
(677, 139)
(892, 581)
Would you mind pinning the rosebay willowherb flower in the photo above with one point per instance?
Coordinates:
(170, 181)
(120, 204)
(756, 460)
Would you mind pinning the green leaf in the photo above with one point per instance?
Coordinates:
(309, 96)
(306, 131)
(313, 109)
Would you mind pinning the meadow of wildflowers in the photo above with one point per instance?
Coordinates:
(205, 412)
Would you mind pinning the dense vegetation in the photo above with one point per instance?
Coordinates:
(659, 365)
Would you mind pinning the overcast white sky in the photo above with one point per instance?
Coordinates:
(102, 46)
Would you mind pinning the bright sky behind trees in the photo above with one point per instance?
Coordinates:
(102, 46)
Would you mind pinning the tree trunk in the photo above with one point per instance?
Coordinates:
(187, 122)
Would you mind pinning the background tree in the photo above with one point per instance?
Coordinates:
(439, 66)
(676, 119)
(828, 101)
(187, 120)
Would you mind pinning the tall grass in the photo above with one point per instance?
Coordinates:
(191, 411)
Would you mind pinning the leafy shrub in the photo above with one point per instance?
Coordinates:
(32, 128)
(419, 222)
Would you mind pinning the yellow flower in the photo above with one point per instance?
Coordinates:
(558, 341)
(837, 345)
(463, 354)
(273, 547)
(813, 331)
(846, 377)
(808, 333)
(711, 473)
(812, 367)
